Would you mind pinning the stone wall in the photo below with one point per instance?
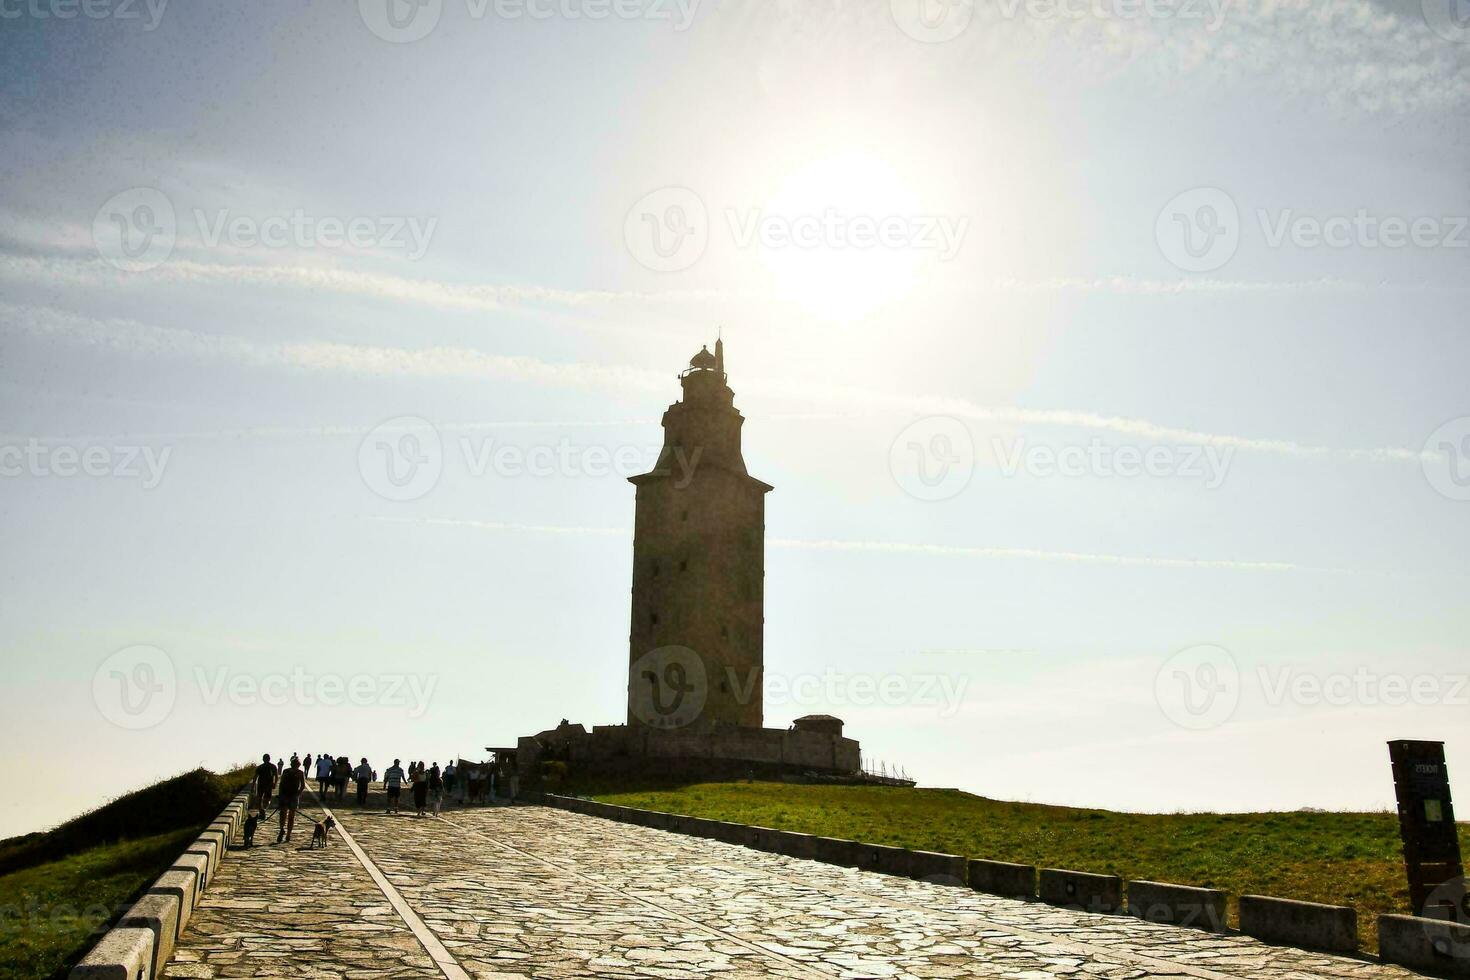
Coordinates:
(724, 749)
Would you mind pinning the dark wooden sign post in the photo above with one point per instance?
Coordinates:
(1427, 826)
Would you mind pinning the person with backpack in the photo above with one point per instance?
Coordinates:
(393, 784)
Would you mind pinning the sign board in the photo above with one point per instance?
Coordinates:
(1427, 826)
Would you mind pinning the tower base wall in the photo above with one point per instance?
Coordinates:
(726, 751)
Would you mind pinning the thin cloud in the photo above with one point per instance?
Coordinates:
(459, 362)
(91, 272)
(886, 547)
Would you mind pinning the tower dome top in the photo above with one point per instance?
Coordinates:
(703, 361)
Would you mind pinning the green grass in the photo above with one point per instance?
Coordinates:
(1338, 858)
(51, 910)
(58, 888)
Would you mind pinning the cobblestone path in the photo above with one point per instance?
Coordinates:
(530, 892)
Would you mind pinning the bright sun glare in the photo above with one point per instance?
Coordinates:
(851, 222)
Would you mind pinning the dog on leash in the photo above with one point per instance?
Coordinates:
(319, 834)
(251, 822)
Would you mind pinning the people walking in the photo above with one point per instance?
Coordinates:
(364, 776)
(450, 771)
(265, 782)
(420, 791)
(393, 785)
(293, 781)
(436, 789)
(323, 775)
(341, 772)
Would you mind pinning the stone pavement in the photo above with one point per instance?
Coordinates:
(532, 892)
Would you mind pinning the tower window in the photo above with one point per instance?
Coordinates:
(724, 632)
(655, 568)
(684, 566)
(684, 514)
(653, 619)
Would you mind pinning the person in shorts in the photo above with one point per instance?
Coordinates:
(293, 781)
(393, 784)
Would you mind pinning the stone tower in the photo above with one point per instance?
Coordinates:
(695, 645)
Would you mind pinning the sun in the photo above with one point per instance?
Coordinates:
(843, 236)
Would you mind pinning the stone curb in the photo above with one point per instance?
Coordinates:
(1003, 878)
(1430, 945)
(1330, 928)
(1080, 890)
(121, 954)
(143, 939)
(1180, 905)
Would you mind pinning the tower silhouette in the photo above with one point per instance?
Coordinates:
(695, 644)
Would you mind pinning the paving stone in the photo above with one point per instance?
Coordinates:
(532, 893)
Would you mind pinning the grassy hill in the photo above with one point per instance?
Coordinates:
(58, 888)
(1339, 858)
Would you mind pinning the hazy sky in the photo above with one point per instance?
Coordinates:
(1109, 360)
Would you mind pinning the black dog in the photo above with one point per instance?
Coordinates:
(251, 822)
(319, 835)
